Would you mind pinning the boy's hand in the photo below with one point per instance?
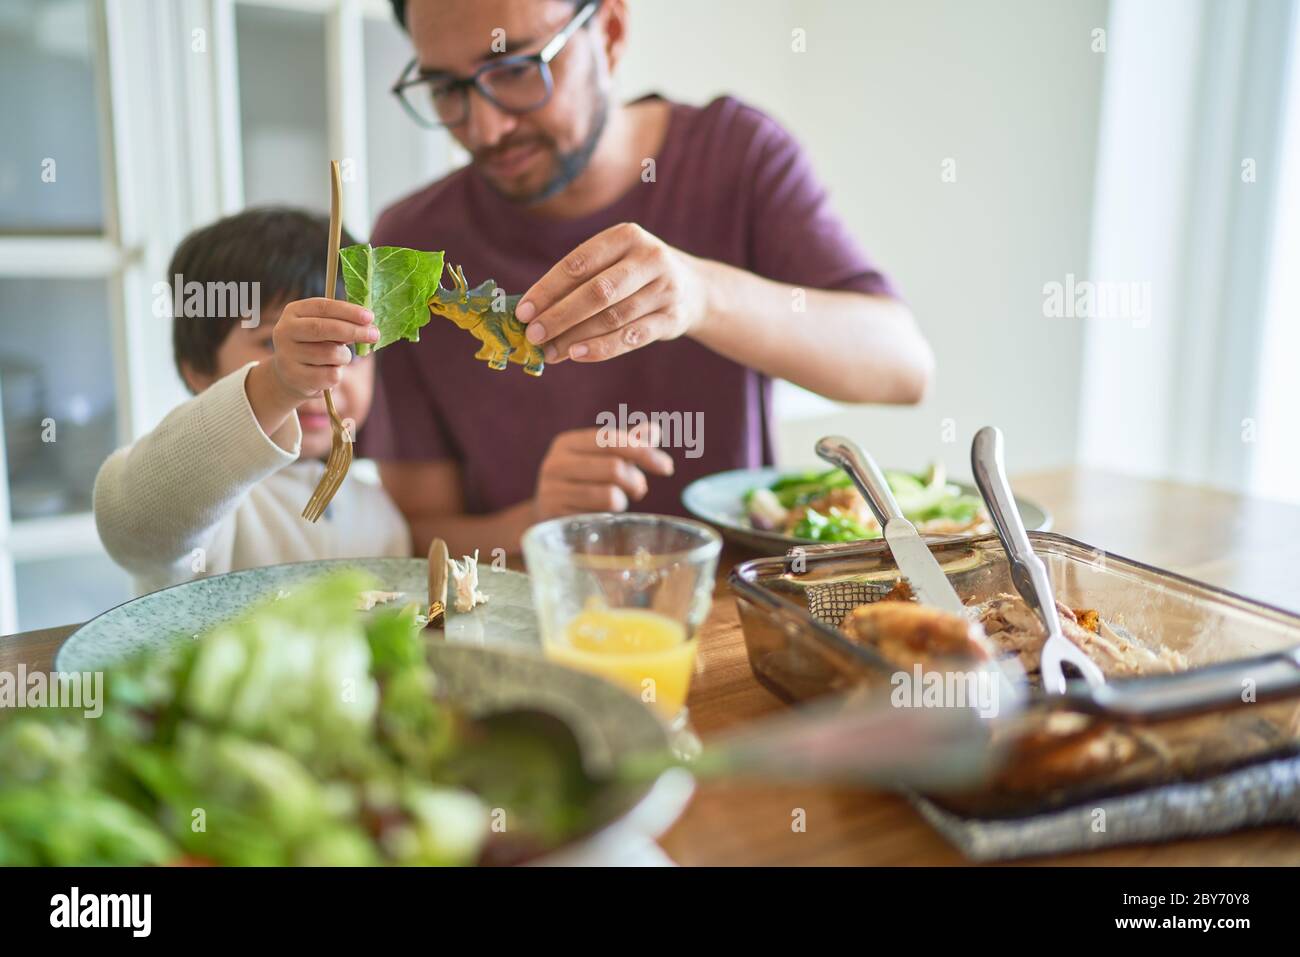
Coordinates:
(311, 343)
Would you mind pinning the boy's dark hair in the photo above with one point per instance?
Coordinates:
(281, 249)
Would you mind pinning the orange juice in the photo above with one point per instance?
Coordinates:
(642, 651)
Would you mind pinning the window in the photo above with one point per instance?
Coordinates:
(1275, 466)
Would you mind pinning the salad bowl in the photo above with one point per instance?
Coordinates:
(224, 694)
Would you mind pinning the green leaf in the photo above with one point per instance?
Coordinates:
(802, 487)
(395, 284)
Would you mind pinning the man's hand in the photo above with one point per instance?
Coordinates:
(622, 289)
(579, 474)
(311, 343)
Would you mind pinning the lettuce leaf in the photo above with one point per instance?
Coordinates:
(395, 284)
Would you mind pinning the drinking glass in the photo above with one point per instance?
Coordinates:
(622, 596)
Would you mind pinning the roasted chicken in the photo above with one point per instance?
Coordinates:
(1003, 627)
(905, 633)
(1015, 630)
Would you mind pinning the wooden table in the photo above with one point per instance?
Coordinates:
(1246, 545)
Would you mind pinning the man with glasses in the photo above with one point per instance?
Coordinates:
(673, 261)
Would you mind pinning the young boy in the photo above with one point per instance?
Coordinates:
(220, 484)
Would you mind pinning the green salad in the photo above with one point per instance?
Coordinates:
(824, 506)
(300, 734)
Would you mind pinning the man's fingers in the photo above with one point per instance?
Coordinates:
(645, 435)
(648, 459)
(585, 262)
(606, 292)
(585, 440)
(588, 496)
(603, 469)
(638, 445)
(647, 299)
(632, 336)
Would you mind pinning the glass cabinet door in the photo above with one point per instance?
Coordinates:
(57, 392)
(51, 178)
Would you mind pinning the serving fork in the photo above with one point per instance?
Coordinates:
(340, 457)
(1028, 572)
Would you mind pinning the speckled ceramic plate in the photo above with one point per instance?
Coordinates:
(488, 662)
(186, 610)
(718, 500)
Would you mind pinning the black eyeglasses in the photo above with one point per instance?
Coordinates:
(515, 84)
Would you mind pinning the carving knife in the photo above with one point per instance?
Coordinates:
(914, 560)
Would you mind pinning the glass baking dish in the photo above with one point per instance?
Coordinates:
(1057, 758)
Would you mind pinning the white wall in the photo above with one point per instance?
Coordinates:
(884, 94)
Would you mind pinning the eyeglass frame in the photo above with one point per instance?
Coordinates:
(542, 58)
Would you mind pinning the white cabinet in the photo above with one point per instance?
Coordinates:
(61, 283)
(129, 123)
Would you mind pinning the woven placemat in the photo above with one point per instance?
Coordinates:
(1265, 793)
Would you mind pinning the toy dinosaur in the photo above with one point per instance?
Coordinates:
(490, 316)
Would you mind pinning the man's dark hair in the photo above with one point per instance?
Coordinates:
(281, 249)
(399, 9)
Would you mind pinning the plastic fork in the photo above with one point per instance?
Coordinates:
(340, 457)
(1028, 572)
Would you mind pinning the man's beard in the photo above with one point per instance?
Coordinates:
(569, 166)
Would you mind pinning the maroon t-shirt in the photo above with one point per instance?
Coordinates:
(730, 185)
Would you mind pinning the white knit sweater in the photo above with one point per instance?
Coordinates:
(208, 492)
